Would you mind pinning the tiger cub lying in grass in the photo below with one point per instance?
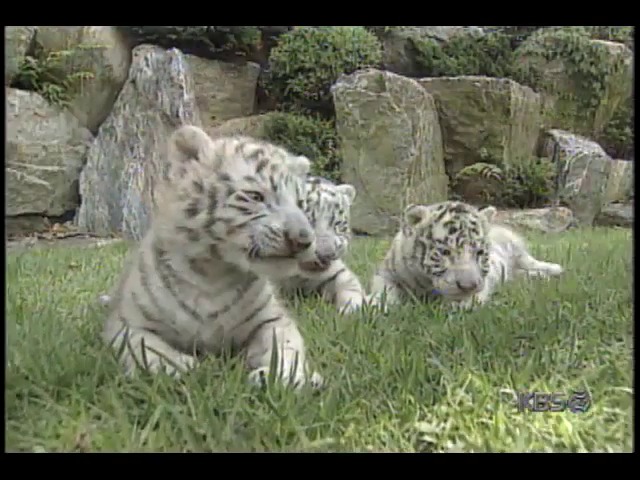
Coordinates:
(455, 251)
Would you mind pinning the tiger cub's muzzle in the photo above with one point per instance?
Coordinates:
(325, 253)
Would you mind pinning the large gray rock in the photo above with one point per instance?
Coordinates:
(17, 41)
(391, 147)
(99, 51)
(545, 220)
(565, 93)
(484, 119)
(583, 173)
(620, 184)
(615, 215)
(398, 44)
(129, 154)
(26, 225)
(45, 151)
(223, 90)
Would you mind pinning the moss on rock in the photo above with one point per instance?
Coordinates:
(582, 80)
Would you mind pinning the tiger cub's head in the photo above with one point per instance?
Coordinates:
(238, 198)
(328, 208)
(446, 245)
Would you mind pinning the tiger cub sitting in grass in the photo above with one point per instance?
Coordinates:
(227, 223)
(327, 206)
(453, 251)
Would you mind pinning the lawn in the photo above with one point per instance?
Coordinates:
(419, 379)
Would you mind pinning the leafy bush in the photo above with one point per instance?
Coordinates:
(610, 33)
(516, 35)
(44, 73)
(490, 54)
(307, 135)
(585, 62)
(617, 137)
(613, 34)
(204, 41)
(381, 30)
(480, 170)
(524, 185)
(307, 61)
(529, 185)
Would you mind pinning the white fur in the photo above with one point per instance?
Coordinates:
(192, 286)
(337, 284)
(401, 274)
(510, 258)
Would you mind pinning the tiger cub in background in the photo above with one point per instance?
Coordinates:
(327, 206)
(227, 222)
(453, 251)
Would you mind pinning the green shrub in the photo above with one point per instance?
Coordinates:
(307, 135)
(204, 41)
(480, 170)
(44, 73)
(307, 61)
(613, 34)
(381, 30)
(516, 35)
(617, 137)
(610, 33)
(524, 185)
(490, 54)
(529, 184)
(585, 61)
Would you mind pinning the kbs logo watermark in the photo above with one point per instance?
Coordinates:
(574, 402)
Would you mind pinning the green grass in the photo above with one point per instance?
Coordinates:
(416, 379)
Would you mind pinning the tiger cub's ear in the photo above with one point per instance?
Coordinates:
(489, 213)
(414, 214)
(299, 165)
(348, 191)
(188, 143)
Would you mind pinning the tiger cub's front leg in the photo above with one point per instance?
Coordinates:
(343, 287)
(291, 366)
(476, 300)
(384, 293)
(141, 349)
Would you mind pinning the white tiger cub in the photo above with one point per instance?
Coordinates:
(453, 250)
(328, 206)
(226, 222)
